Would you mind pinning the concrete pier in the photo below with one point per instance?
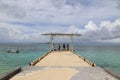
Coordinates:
(62, 65)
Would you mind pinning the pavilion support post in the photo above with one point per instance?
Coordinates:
(52, 45)
(72, 43)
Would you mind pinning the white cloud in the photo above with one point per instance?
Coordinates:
(56, 15)
(59, 11)
(91, 26)
(74, 29)
(17, 33)
(105, 32)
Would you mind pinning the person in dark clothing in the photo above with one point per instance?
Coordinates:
(63, 46)
(67, 46)
(59, 47)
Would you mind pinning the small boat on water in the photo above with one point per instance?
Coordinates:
(13, 51)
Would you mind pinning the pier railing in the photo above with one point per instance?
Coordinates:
(38, 59)
(86, 60)
(7, 76)
(112, 73)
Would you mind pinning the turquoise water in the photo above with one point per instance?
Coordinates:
(28, 52)
(103, 56)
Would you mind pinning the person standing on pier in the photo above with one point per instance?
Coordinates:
(59, 47)
(67, 47)
(63, 46)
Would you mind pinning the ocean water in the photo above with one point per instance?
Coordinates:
(103, 56)
(28, 53)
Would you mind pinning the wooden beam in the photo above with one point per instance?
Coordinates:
(60, 34)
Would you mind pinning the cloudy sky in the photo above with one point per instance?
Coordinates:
(26, 20)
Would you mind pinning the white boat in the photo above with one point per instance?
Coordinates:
(13, 51)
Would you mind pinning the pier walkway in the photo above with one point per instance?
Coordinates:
(62, 65)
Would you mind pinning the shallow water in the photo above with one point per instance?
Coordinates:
(103, 56)
(28, 52)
